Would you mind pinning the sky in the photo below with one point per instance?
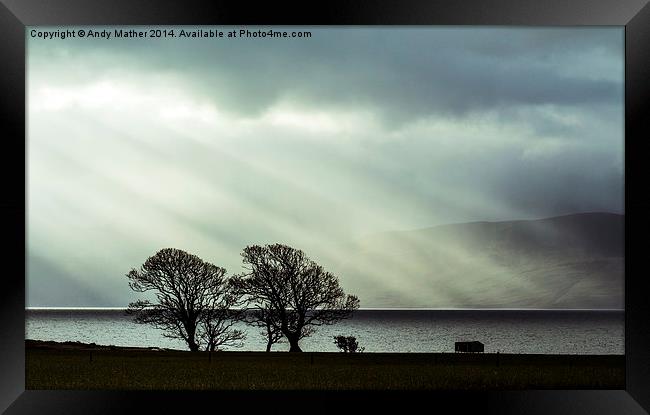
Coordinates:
(209, 145)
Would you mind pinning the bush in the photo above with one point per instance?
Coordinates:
(348, 344)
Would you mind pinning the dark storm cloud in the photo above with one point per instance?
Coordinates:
(398, 73)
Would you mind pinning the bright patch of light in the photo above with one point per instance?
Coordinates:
(116, 96)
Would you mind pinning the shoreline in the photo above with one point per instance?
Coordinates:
(33, 344)
(76, 345)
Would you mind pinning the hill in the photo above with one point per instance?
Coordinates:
(572, 261)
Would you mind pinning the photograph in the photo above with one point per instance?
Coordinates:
(325, 208)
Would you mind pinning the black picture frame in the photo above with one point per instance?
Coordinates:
(16, 14)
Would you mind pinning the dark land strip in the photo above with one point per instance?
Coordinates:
(73, 365)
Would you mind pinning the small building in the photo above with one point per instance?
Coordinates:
(470, 347)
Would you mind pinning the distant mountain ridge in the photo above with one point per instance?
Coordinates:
(570, 261)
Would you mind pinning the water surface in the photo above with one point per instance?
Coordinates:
(506, 331)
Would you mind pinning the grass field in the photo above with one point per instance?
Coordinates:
(56, 367)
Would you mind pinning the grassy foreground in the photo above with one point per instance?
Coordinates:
(52, 365)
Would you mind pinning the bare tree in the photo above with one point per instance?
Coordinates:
(298, 291)
(262, 317)
(193, 298)
(216, 326)
(268, 321)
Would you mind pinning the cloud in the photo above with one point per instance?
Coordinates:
(399, 73)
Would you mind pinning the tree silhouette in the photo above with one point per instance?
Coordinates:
(348, 344)
(194, 300)
(216, 329)
(269, 322)
(297, 291)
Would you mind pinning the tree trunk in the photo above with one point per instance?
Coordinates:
(293, 344)
(191, 340)
(269, 337)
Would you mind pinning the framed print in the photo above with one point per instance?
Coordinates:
(276, 207)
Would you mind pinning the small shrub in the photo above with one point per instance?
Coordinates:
(348, 344)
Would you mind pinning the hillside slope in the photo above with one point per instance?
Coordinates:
(573, 261)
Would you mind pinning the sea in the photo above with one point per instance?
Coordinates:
(386, 330)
